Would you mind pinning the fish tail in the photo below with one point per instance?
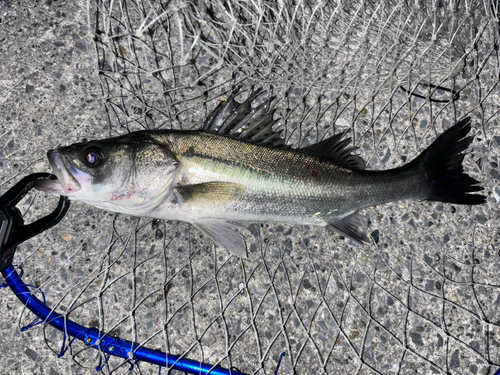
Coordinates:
(442, 163)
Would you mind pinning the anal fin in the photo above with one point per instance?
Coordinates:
(222, 234)
(350, 227)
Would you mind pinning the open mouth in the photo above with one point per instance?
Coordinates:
(65, 183)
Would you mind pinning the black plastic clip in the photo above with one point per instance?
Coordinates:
(12, 228)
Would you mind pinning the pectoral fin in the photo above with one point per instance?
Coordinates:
(350, 227)
(215, 193)
(222, 234)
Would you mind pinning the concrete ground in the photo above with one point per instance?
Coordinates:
(423, 297)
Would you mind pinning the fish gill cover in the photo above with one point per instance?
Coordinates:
(424, 296)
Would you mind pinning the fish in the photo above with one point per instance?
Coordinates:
(235, 169)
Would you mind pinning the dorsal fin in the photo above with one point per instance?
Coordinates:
(244, 122)
(255, 124)
(335, 150)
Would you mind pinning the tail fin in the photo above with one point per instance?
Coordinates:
(442, 163)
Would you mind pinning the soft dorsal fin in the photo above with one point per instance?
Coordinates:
(241, 121)
(335, 150)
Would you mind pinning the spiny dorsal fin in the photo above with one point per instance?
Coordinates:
(220, 114)
(241, 121)
(335, 150)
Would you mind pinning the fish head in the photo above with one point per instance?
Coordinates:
(131, 174)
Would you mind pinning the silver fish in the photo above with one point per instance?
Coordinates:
(236, 170)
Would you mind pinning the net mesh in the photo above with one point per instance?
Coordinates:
(423, 297)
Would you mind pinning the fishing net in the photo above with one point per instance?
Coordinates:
(422, 297)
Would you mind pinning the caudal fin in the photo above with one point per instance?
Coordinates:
(442, 163)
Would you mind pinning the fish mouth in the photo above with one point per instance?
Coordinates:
(66, 183)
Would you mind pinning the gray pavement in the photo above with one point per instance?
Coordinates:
(424, 297)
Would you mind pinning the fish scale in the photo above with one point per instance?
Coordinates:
(311, 183)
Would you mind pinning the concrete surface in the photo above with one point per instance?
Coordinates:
(424, 297)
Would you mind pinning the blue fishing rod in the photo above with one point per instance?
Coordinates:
(13, 232)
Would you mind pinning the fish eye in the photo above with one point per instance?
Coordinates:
(93, 156)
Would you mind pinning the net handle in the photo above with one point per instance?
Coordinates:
(99, 340)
